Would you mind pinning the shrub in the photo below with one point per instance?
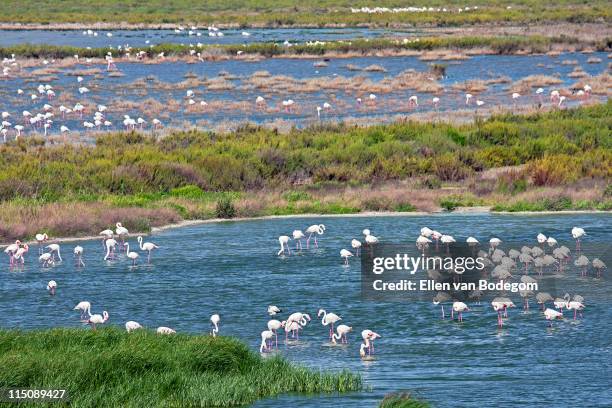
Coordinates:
(225, 208)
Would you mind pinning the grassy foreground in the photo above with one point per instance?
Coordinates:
(110, 367)
(292, 12)
(560, 160)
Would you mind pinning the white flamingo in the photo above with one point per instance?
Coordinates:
(273, 310)
(78, 255)
(297, 237)
(97, 319)
(266, 336)
(214, 320)
(46, 259)
(132, 255)
(51, 287)
(132, 325)
(147, 246)
(275, 325)
(54, 249)
(368, 337)
(346, 254)
(356, 245)
(110, 248)
(552, 314)
(84, 307)
(283, 240)
(314, 230)
(329, 319)
(341, 333)
(165, 330)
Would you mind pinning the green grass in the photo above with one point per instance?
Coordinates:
(495, 44)
(110, 367)
(291, 12)
(402, 400)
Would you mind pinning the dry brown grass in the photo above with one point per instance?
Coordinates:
(524, 85)
(58, 219)
(601, 84)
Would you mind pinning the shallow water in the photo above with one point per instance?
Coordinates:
(163, 82)
(232, 269)
(141, 38)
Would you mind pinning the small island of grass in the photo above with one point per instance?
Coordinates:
(110, 367)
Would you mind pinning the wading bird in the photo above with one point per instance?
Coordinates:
(147, 246)
(314, 230)
(283, 240)
(214, 320)
(132, 325)
(52, 287)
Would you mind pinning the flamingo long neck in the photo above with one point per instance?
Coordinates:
(127, 247)
(216, 329)
(108, 249)
(324, 321)
(140, 243)
(88, 310)
(263, 345)
(336, 336)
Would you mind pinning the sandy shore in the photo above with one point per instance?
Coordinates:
(459, 210)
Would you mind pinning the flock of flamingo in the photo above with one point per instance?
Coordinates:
(546, 254)
(43, 116)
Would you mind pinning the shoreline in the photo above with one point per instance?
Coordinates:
(457, 211)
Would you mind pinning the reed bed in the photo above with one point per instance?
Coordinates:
(109, 367)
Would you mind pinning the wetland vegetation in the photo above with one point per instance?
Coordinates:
(559, 160)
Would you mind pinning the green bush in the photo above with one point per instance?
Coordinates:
(225, 208)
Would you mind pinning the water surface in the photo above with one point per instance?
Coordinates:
(232, 269)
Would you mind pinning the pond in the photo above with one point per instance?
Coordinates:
(232, 268)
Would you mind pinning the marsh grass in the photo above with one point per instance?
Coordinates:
(109, 367)
(148, 180)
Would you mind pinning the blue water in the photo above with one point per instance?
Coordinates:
(236, 105)
(141, 38)
(231, 268)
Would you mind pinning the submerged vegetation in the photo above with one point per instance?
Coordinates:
(545, 161)
(484, 44)
(109, 367)
(401, 400)
(314, 13)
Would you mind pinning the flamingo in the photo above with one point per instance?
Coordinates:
(552, 314)
(500, 305)
(121, 231)
(297, 236)
(110, 248)
(542, 298)
(132, 325)
(283, 240)
(346, 254)
(273, 310)
(40, 238)
(266, 336)
(293, 327)
(341, 333)
(362, 350)
(84, 307)
(78, 255)
(46, 259)
(97, 319)
(328, 319)
(165, 330)
(468, 98)
(314, 230)
(368, 337)
(371, 239)
(20, 253)
(132, 255)
(576, 306)
(439, 299)
(577, 234)
(460, 307)
(51, 287)
(54, 248)
(11, 249)
(214, 320)
(413, 101)
(147, 246)
(435, 102)
(541, 238)
(107, 233)
(356, 246)
(275, 325)
(301, 318)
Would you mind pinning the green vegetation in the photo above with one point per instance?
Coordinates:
(401, 400)
(491, 44)
(553, 161)
(290, 12)
(109, 367)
